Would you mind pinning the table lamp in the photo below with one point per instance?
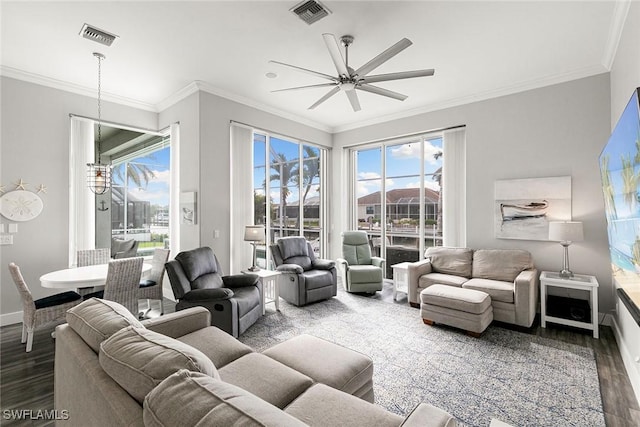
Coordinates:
(254, 234)
(565, 232)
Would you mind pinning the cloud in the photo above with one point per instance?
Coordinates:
(368, 175)
(412, 151)
(428, 183)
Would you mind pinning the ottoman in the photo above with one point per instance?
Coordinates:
(327, 363)
(461, 308)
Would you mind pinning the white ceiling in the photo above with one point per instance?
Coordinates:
(479, 50)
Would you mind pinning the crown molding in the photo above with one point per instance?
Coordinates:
(178, 96)
(620, 12)
(208, 88)
(38, 79)
(481, 96)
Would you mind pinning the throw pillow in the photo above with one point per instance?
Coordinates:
(139, 359)
(95, 320)
(194, 399)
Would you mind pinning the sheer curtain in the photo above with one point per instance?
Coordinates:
(174, 191)
(82, 221)
(241, 195)
(454, 194)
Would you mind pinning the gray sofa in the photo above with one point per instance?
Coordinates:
(507, 275)
(112, 370)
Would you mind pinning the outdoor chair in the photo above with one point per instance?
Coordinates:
(41, 311)
(359, 271)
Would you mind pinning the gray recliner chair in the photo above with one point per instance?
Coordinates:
(360, 272)
(197, 280)
(305, 278)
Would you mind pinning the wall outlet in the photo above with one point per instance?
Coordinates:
(216, 234)
(6, 239)
(13, 228)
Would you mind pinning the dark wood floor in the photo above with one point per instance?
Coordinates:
(26, 379)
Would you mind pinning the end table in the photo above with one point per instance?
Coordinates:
(270, 287)
(400, 278)
(578, 281)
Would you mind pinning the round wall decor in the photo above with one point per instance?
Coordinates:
(20, 205)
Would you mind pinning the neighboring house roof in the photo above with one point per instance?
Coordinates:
(310, 201)
(401, 196)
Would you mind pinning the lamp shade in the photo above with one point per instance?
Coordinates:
(254, 233)
(565, 231)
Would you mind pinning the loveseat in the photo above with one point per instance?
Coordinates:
(177, 370)
(507, 275)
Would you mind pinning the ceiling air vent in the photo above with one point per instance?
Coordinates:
(97, 35)
(310, 11)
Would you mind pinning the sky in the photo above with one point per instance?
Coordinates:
(403, 166)
(157, 191)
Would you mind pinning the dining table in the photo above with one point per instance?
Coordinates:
(81, 277)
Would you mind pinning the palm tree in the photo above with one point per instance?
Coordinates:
(283, 172)
(629, 182)
(137, 172)
(607, 188)
(310, 170)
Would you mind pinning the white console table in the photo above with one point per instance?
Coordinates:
(578, 281)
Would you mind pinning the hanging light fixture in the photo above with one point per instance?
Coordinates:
(98, 174)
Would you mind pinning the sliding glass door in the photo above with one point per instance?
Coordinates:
(398, 196)
(288, 190)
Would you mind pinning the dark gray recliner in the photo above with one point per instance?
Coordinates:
(196, 280)
(305, 278)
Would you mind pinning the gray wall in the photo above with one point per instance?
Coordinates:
(205, 142)
(553, 131)
(35, 147)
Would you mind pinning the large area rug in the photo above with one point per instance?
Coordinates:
(521, 379)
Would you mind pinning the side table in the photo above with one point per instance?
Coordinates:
(400, 278)
(270, 287)
(578, 281)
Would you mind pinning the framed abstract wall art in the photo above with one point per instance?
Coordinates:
(524, 207)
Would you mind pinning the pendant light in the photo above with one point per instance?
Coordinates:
(98, 174)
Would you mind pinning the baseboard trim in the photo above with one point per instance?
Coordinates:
(10, 318)
(627, 359)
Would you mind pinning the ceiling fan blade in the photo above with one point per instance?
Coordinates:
(384, 92)
(325, 97)
(336, 55)
(383, 57)
(304, 87)
(353, 99)
(398, 76)
(304, 70)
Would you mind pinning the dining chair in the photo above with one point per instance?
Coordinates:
(151, 288)
(123, 282)
(93, 256)
(41, 311)
(87, 257)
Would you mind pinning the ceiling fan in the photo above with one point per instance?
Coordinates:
(348, 79)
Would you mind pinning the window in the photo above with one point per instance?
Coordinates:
(408, 219)
(288, 190)
(140, 197)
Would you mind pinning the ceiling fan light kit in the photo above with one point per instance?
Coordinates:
(349, 80)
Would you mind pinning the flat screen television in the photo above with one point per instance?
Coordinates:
(620, 173)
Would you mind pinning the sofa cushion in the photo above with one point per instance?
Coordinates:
(95, 320)
(139, 359)
(266, 378)
(190, 399)
(325, 406)
(455, 261)
(497, 289)
(429, 279)
(197, 262)
(219, 347)
(500, 264)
